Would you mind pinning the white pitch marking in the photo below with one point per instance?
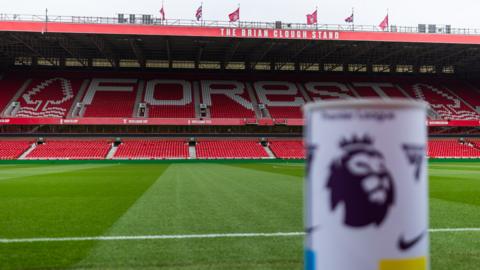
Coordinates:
(150, 237)
(455, 230)
(186, 236)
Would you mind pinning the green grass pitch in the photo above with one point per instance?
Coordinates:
(81, 200)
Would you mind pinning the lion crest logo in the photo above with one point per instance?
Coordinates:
(360, 180)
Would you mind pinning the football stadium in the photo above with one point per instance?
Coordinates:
(138, 142)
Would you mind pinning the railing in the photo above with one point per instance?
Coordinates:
(150, 20)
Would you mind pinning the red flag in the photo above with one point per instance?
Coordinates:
(384, 24)
(312, 18)
(234, 16)
(199, 14)
(162, 14)
(349, 19)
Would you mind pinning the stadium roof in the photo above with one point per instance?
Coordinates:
(148, 42)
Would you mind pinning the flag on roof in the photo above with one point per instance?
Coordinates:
(199, 14)
(312, 18)
(384, 24)
(234, 16)
(349, 19)
(162, 14)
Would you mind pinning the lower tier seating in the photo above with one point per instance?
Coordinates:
(152, 149)
(288, 149)
(230, 149)
(453, 148)
(13, 149)
(71, 149)
(205, 149)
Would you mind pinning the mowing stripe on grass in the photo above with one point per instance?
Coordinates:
(187, 236)
(12, 173)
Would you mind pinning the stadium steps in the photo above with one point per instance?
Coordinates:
(17, 95)
(196, 98)
(303, 92)
(78, 99)
(28, 151)
(352, 89)
(192, 152)
(112, 151)
(269, 151)
(253, 99)
(138, 98)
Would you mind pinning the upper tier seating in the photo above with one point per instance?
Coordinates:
(227, 99)
(9, 85)
(282, 99)
(54, 95)
(152, 149)
(13, 149)
(444, 102)
(287, 149)
(230, 149)
(467, 92)
(71, 149)
(170, 99)
(110, 98)
(48, 97)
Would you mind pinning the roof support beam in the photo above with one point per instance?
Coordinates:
(138, 52)
(200, 50)
(297, 53)
(469, 58)
(260, 53)
(169, 53)
(67, 45)
(332, 50)
(450, 55)
(104, 49)
(230, 52)
(31, 43)
(386, 56)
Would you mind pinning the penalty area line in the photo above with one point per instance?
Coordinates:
(186, 236)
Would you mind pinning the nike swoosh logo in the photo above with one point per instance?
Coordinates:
(407, 244)
(312, 229)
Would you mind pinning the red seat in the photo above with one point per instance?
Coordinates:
(230, 149)
(152, 149)
(287, 149)
(13, 149)
(71, 149)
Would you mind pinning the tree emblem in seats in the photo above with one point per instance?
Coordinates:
(44, 108)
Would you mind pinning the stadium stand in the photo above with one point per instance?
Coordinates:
(291, 149)
(152, 149)
(13, 149)
(230, 149)
(71, 149)
(55, 95)
(453, 148)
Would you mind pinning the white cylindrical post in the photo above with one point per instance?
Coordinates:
(366, 188)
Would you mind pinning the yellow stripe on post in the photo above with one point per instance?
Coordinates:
(419, 263)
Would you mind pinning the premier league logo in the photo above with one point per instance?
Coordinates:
(361, 181)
